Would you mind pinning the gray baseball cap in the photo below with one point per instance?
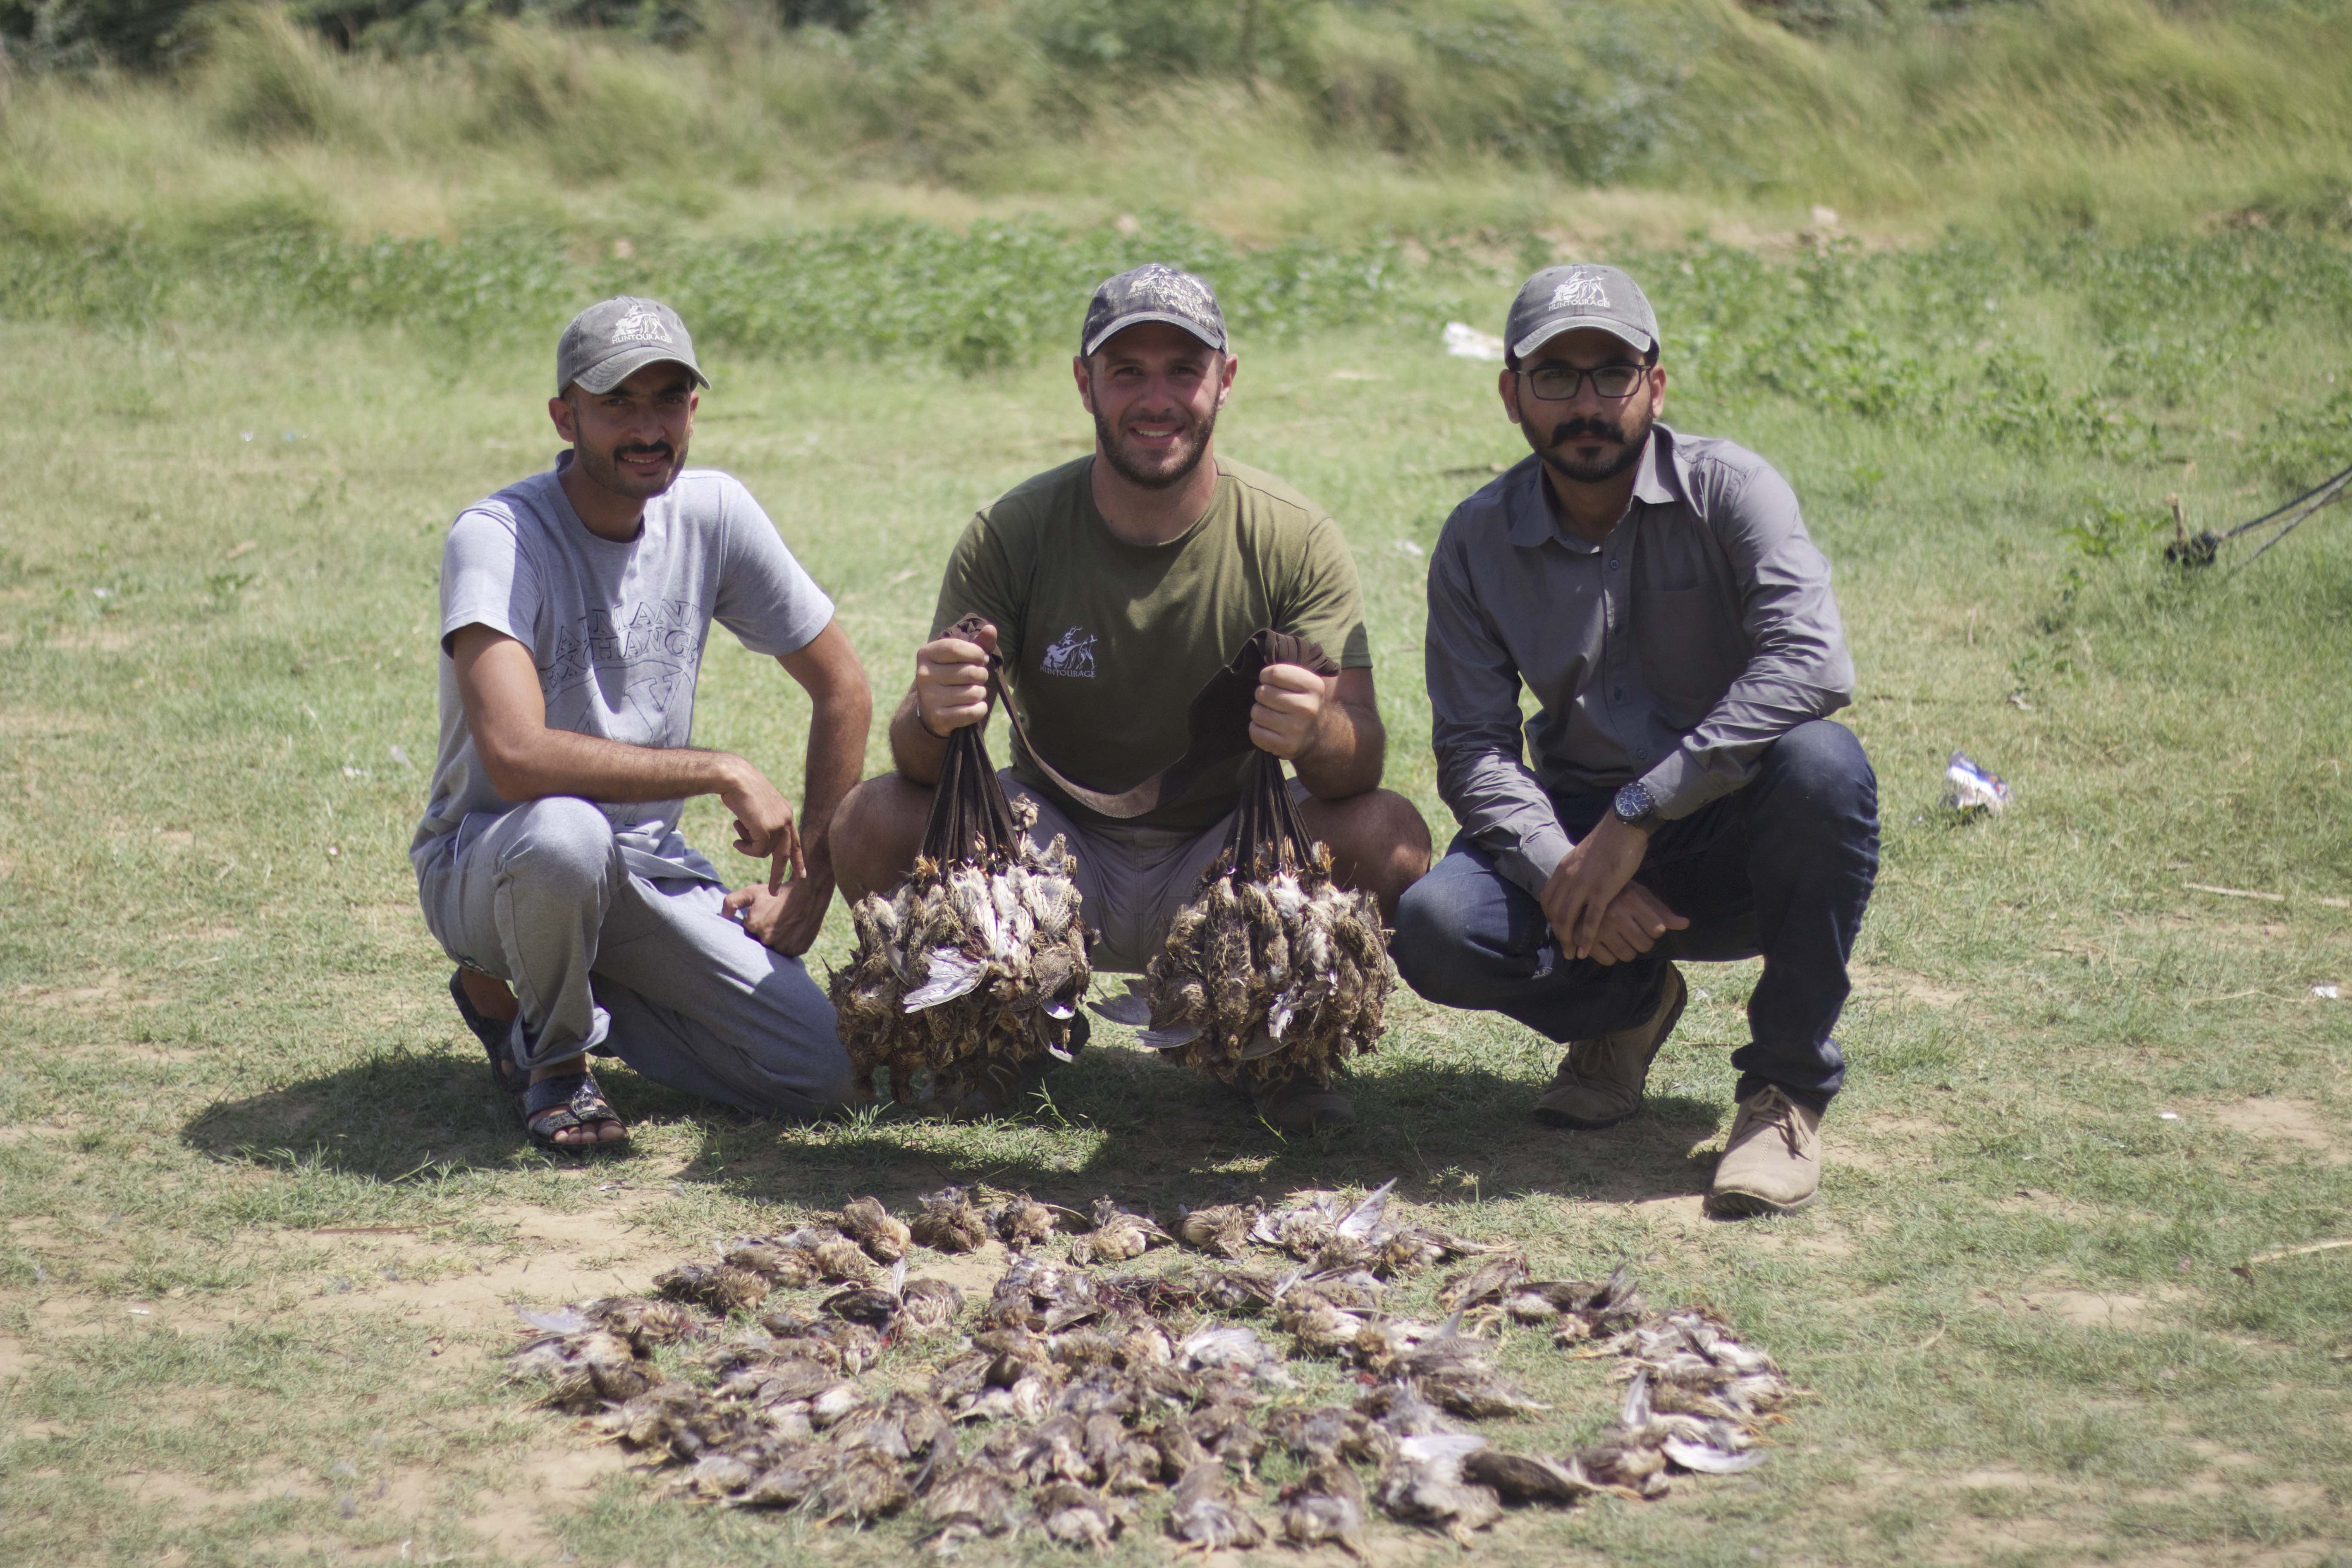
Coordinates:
(612, 340)
(1561, 299)
(1153, 292)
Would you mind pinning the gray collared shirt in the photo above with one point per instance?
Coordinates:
(1699, 632)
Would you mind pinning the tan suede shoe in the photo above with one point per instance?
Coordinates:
(1599, 1084)
(1772, 1162)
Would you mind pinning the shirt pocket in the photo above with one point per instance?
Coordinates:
(1690, 650)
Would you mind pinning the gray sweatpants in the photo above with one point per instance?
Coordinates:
(651, 972)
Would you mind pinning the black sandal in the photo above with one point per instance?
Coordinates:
(559, 1104)
(495, 1037)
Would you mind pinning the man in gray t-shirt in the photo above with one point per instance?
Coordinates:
(575, 608)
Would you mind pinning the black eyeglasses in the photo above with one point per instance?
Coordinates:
(1558, 382)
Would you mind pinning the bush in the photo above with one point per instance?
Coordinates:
(54, 34)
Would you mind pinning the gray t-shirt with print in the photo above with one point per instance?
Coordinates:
(617, 631)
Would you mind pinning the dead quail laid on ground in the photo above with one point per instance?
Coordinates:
(1119, 1236)
(882, 1235)
(1326, 1504)
(1205, 1515)
(1221, 1230)
(721, 1286)
(1020, 1221)
(1089, 1402)
(949, 1222)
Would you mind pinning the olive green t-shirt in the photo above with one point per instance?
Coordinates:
(1105, 642)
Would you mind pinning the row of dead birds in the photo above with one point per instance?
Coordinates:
(1093, 1396)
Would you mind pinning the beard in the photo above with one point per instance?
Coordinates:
(1626, 437)
(605, 469)
(1168, 470)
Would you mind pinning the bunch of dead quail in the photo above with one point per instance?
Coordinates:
(965, 966)
(1091, 1391)
(1273, 972)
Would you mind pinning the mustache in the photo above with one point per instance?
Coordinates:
(1569, 429)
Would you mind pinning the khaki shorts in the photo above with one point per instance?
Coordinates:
(1131, 879)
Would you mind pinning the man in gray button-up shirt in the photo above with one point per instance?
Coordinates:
(1679, 793)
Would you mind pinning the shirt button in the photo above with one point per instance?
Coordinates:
(1612, 563)
(1643, 754)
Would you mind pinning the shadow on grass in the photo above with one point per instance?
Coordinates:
(1119, 1121)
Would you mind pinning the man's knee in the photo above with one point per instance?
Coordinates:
(560, 845)
(1379, 841)
(875, 832)
(1431, 949)
(1820, 767)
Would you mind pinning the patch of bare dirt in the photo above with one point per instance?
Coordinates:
(516, 1520)
(40, 723)
(1878, 1142)
(2294, 1122)
(99, 994)
(2086, 1308)
(1871, 982)
(93, 640)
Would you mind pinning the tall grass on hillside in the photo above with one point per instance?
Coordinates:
(1266, 117)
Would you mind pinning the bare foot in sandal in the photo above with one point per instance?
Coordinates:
(563, 1109)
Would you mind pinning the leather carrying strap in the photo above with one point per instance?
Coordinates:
(1217, 722)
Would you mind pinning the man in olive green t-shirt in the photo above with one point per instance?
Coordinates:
(1114, 587)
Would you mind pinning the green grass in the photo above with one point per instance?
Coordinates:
(258, 1211)
(1332, 120)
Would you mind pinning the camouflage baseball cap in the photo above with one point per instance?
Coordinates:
(1561, 299)
(612, 340)
(1153, 292)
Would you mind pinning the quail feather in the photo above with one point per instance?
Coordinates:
(966, 964)
(882, 1235)
(1422, 1482)
(1019, 1221)
(784, 1267)
(1326, 1504)
(929, 1307)
(1221, 1230)
(645, 1324)
(1204, 1515)
(949, 1222)
(1119, 1236)
(1073, 1516)
(967, 1502)
(721, 1286)
(585, 1368)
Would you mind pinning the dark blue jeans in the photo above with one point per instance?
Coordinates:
(1781, 869)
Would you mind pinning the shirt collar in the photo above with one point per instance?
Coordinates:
(1662, 478)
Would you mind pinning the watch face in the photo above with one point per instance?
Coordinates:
(1633, 803)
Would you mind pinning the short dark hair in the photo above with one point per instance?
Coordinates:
(1649, 359)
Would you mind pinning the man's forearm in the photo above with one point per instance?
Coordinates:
(917, 753)
(563, 762)
(835, 758)
(1351, 752)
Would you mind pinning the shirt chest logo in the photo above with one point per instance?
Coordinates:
(1072, 653)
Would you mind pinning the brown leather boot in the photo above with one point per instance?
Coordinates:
(1600, 1082)
(1771, 1163)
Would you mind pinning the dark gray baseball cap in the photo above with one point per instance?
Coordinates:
(612, 340)
(1562, 299)
(1153, 292)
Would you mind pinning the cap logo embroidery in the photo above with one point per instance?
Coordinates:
(640, 325)
(1581, 288)
(1168, 289)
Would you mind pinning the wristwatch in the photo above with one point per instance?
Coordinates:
(1635, 806)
